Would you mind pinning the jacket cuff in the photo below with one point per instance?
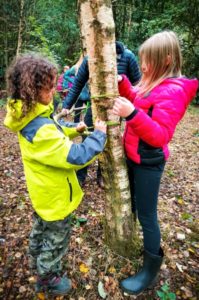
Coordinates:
(124, 79)
(132, 115)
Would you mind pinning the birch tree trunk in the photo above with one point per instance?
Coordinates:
(98, 32)
(19, 43)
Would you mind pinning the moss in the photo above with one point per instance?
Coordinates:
(110, 31)
(126, 248)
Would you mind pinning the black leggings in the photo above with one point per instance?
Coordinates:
(144, 186)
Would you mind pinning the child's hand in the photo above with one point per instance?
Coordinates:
(100, 125)
(122, 107)
(65, 112)
(81, 127)
(119, 78)
(61, 114)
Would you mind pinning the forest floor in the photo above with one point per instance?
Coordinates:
(94, 269)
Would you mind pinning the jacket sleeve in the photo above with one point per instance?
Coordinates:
(51, 148)
(69, 128)
(81, 155)
(126, 89)
(133, 68)
(79, 82)
(85, 94)
(158, 130)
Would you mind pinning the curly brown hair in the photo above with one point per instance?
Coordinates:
(27, 75)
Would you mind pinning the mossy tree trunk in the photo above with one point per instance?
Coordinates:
(98, 32)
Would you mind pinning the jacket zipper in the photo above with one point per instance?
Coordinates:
(70, 188)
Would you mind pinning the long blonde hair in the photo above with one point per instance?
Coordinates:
(162, 55)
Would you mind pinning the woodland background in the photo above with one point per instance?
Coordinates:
(52, 27)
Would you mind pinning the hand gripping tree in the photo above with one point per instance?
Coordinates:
(98, 34)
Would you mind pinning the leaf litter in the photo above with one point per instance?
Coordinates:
(94, 269)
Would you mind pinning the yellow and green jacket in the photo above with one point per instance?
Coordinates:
(50, 158)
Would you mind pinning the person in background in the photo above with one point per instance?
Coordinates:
(68, 78)
(152, 110)
(60, 83)
(59, 91)
(68, 81)
(126, 64)
(50, 160)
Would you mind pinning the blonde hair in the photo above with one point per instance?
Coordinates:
(162, 55)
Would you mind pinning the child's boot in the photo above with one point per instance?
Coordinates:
(146, 276)
(54, 285)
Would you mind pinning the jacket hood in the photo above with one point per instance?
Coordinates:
(119, 47)
(189, 86)
(13, 118)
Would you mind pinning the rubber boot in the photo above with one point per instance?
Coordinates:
(54, 285)
(146, 277)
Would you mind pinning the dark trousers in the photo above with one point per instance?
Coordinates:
(82, 173)
(144, 186)
(78, 104)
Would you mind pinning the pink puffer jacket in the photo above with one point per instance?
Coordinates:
(59, 83)
(151, 126)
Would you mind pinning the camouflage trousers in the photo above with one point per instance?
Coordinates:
(48, 243)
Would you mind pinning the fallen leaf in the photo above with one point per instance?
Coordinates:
(112, 270)
(101, 290)
(180, 267)
(180, 236)
(191, 250)
(88, 287)
(18, 255)
(83, 268)
(22, 289)
(180, 201)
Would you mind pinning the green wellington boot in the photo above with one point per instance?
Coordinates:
(146, 276)
(54, 285)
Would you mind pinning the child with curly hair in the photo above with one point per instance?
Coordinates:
(50, 160)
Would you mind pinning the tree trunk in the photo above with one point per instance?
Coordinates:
(99, 34)
(6, 46)
(129, 24)
(19, 43)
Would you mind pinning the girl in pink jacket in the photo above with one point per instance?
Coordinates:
(156, 106)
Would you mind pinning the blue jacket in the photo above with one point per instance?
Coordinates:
(85, 94)
(69, 77)
(126, 64)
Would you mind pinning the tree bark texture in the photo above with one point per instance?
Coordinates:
(19, 43)
(98, 31)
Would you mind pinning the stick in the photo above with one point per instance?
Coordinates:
(60, 115)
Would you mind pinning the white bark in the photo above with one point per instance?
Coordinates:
(99, 34)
